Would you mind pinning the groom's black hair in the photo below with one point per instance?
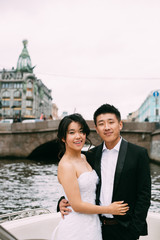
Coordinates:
(106, 108)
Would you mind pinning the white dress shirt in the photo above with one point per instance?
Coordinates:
(108, 167)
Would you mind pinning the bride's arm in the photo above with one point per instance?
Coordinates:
(67, 177)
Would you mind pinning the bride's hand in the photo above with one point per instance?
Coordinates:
(63, 206)
(118, 208)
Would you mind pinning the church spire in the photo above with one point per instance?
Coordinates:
(24, 62)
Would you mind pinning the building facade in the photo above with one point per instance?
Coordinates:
(149, 110)
(21, 93)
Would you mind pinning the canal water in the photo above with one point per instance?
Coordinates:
(26, 184)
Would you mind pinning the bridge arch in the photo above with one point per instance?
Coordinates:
(47, 152)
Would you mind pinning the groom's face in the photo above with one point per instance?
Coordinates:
(108, 127)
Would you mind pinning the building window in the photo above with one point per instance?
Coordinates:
(29, 85)
(29, 94)
(28, 112)
(10, 85)
(5, 85)
(5, 103)
(7, 112)
(5, 94)
(17, 85)
(17, 103)
(28, 103)
(17, 94)
(17, 112)
(157, 112)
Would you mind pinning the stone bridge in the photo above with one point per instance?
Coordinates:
(38, 140)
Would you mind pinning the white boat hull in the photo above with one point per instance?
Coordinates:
(35, 227)
(41, 227)
(153, 220)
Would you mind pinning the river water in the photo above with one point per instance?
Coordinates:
(26, 184)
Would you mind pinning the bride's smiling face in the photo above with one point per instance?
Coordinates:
(75, 137)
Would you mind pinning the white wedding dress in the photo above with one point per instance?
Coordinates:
(79, 226)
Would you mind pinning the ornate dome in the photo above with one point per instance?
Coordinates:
(24, 62)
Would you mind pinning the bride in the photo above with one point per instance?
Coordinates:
(79, 182)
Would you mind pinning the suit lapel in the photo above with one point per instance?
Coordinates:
(97, 167)
(97, 162)
(120, 163)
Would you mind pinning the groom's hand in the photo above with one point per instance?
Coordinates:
(63, 205)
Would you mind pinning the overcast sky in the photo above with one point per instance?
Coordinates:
(88, 52)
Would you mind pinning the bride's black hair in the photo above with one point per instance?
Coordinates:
(63, 127)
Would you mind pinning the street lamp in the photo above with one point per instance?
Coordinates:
(156, 94)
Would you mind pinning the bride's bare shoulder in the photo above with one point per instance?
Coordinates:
(64, 165)
(66, 170)
(83, 156)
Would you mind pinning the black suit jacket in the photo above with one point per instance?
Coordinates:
(132, 184)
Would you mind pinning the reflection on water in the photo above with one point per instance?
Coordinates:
(25, 184)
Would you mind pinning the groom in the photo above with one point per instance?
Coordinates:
(123, 170)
